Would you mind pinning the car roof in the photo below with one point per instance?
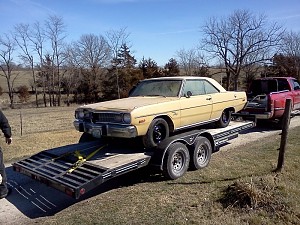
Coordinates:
(180, 78)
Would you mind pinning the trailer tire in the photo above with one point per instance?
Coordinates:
(200, 153)
(224, 119)
(176, 161)
(86, 137)
(157, 132)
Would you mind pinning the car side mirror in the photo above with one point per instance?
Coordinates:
(188, 94)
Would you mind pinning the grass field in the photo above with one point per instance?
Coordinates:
(200, 197)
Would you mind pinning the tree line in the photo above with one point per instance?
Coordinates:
(103, 67)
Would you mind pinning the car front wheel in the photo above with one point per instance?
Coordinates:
(157, 132)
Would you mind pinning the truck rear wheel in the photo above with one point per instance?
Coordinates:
(200, 153)
(176, 161)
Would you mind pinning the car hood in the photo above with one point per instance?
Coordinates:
(128, 104)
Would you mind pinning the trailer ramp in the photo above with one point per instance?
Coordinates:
(57, 167)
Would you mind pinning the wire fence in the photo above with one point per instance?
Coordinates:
(35, 120)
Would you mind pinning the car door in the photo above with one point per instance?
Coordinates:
(219, 100)
(296, 93)
(195, 104)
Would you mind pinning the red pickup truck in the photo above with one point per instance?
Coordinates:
(266, 97)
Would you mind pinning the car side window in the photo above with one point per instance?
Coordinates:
(283, 85)
(209, 88)
(196, 87)
(296, 85)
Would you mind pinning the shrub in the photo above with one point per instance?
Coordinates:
(24, 94)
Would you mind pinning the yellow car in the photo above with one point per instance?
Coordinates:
(158, 107)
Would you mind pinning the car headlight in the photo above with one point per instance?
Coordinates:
(82, 114)
(127, 118)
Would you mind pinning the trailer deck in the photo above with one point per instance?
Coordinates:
(53, 166)
(78, 168)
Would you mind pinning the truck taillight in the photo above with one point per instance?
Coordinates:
(270, 104)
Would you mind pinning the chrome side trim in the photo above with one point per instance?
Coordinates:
(197, 124)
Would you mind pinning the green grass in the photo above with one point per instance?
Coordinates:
(143, 197)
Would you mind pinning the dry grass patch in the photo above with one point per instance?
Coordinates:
(257, 194)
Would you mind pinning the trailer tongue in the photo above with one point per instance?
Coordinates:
(78, 168)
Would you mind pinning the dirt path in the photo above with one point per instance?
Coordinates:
(31, 200)
(258, 133)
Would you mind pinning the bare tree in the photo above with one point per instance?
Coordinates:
(7, 48)
(55, 31)
(93, 54)
(116, 39)
(22, 37)
(240, 35)
(71, 79)
(291, 48)
(191, 61)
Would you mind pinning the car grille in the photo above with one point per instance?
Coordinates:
(104, 117)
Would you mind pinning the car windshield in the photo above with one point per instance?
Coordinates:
(165, 88)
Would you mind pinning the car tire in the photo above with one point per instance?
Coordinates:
(200, 153)
(224, 119)
(176, 161)
(157, 132)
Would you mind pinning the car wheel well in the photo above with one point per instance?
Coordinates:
(169, 122)
(231, 109)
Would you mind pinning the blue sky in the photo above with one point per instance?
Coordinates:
(158, 28)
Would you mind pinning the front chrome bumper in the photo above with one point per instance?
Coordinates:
(108, 130)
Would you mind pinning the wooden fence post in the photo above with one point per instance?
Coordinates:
(21, 123)
(284, 134)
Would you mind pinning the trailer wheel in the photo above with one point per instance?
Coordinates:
(86, 137)
(157, 132)
(224, 119)
(200, 153)
(176, 161)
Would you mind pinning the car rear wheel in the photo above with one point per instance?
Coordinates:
(157, 132)
(224, 119)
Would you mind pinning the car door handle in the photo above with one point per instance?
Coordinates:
(208, 98)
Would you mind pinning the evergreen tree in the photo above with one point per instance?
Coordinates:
(149, 68)
(122, 76)
(172, 68)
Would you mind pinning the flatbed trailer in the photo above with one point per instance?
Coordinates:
(78, 168)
